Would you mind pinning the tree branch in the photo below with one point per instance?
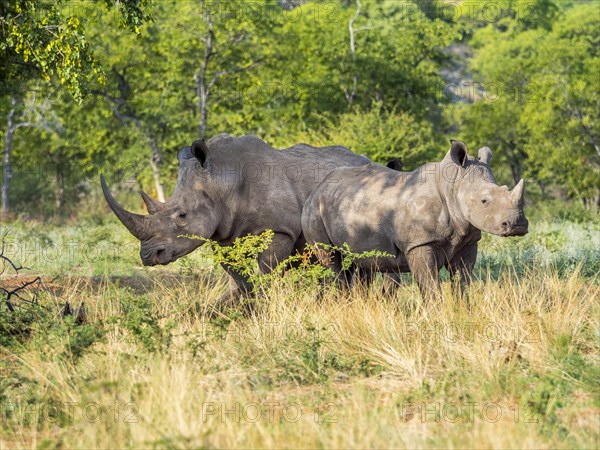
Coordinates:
(351, 25)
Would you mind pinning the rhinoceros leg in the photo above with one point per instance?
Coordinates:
(240, 287)
(391, 282)
(461, 266)
(343, 277)
(280, 249)
(364, 276)
(424, 263)
(334, 260)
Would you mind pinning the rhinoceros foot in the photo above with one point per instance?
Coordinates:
(231, 302)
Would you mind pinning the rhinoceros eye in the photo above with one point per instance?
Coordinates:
(182, 215)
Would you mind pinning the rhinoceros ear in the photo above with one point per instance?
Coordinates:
(395, 164)
(184, 154)
(484, 155)
(200, 151)
(459, 153)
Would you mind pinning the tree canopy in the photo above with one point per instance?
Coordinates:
(120, 86)
(541, 100)
(47, 39)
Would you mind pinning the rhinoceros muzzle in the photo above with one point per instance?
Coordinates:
(156, 256)
(520, 227)
(517, 225)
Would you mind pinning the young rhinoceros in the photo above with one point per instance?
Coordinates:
(426, 219)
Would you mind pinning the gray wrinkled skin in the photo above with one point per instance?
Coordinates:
(427, 219)
(231, 187)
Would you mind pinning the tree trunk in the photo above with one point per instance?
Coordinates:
(7, 174)
(203, 113)
(7, 169)
(160, 193)
(155, 160)
(201, 87)
(516, 158)
(59, 201)
(515, 168)
(350, 95)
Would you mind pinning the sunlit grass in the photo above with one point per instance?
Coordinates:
(517, 365)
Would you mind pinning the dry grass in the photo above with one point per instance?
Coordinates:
(517, 367)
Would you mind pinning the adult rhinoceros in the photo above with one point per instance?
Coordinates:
(426, 219)
(231, 187)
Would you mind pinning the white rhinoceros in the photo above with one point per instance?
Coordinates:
(426, 219)
(231, 187)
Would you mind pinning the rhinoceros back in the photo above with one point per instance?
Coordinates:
(336, 154)
(266, 188)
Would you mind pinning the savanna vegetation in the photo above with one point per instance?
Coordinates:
(514, 367)
(97, 351)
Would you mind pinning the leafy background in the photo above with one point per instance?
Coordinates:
(119, 87)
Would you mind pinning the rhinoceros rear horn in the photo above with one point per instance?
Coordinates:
(484, 154)
(517, 193)
(395, 164)
(152, 205)
(184, 154)
(459, 152)
(200, 151)
(135, 223)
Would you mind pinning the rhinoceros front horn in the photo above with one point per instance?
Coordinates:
(135, 223)
(517, 193)
(152, 205)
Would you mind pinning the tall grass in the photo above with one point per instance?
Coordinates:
(515, 366)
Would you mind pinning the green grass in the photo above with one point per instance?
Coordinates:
(516, 368)
(84, 249)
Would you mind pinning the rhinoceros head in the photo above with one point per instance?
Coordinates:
(190, 211)
(485, 205)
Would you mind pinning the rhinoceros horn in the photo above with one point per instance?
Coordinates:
(484, 155)
(152, 205)
(135, 223)
(517, 193)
